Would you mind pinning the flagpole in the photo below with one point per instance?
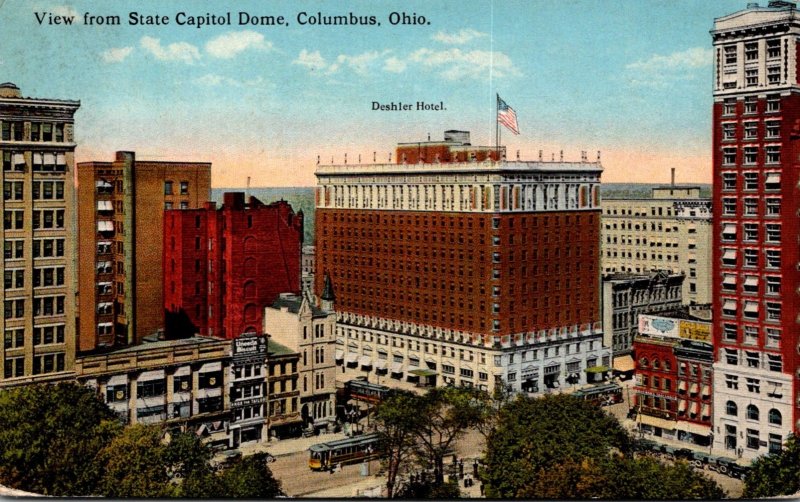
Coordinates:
(497, 128)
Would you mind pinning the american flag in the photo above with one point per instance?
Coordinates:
(507, 116)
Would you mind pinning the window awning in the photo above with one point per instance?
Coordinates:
(351, 357)
(692, 242)
(397, 368)
(623, 363)
(103, 184)
(104, 324)
(104, 284)
(682, 385)
(706, 410)
(37, 158)
(656, 422)
(682, 406)
(729, 305)
(61, 159)
(729, 254)
(49, 158)
(751, 280)
(695, 408)
(773, 178)
(729, 228)
(365, 361)
(597, 369)
(380, 364)
(730, 280)
(751, 307)
(691, 427)
(694, 388)
(706, 390)
(104, 305)
(19, 159)
(104, 205)
(339, 354)
(423, 372)
(411, 368)
(105, 226)
(429, 359)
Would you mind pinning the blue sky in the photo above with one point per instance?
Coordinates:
(630, 78)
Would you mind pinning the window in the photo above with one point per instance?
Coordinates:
(729, 206)
(773, 154)
(12, 190)
(750, 231)
(729, 156)
(773, 311)
(731, 408)
(14, 338)
(14, 278)
(731, 356)
(729, 179)
(184, 187)
(729, 257)
(728, 131)
(752, 412)
(751, 310)
(750, 155)
(730, 54)
(773, 129)
(773, 207)
(773, 337)
(773, 232)
(773, 74)
(732, 382)
(750, 130)
(729, 232)
(752, 439)
(750, 258)
(751, 77)
(14, 309)
(751, 51)
(750, 206)
(729, 332)
(751, 181)
(13, 219)
(774, 417)
(773, 258)
(46, 335)
(752, 359)
(775, 362)
(754, 385)
(167, 188)
(773, 103)
(773, 48)
(729, 106)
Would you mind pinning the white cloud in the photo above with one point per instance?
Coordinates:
(116, 54)
(230, 44)
(459, 38)
(311, 60)
(359, 63)
(394, 65)
(660, 71)
(456, 64)
(178, 51)
(213, 80)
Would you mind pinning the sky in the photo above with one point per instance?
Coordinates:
(629, 78)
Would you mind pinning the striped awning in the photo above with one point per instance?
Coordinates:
(351, 357)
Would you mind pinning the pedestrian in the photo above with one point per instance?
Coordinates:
(482, 488)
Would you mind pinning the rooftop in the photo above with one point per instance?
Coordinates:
(519, 167)
(292, 303)
(276, 349)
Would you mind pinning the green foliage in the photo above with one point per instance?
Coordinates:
(533, 434)
(135, 465)
(777, 474)
(50, 437)
(250, 478)
(395, 425)
(429, 490)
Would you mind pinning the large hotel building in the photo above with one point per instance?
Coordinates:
(456, 266)
(756, 200)
(37, 146)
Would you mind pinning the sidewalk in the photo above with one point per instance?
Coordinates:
(281, 447)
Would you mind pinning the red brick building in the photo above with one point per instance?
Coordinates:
(223, 266)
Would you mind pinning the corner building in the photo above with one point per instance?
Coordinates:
(38, 147)
(457, 266)
(755, 195)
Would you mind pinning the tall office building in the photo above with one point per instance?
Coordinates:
(456, 266)
(38, 146)
(120, 222)
(756, 274)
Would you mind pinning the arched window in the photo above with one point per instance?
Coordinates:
(643, 362)
(775, 417)
(250, 289)
(250, 312)
(667, 366)
(731, 408)
(752, 412)
(655, 364)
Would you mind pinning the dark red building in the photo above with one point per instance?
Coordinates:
(223, 266)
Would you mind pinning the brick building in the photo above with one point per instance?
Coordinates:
(120, 217)
(476, 269)
(37, 147)
(756, 113)
(223, 266)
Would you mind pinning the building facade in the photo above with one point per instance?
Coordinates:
(223, 266)
(295, 322)
(755, 273)
(249, 389)
(308, 267)
(182, 383)
(669, 231)
(627, 295)
(120, 224)
(441, 262)
(39, 260)
(283, 418)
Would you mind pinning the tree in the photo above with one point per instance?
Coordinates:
(396, 421)
(534, 434)
(250, 478)
(425, 489)
(135, 465)
(50, 437)
(775, 474)
(445, 414)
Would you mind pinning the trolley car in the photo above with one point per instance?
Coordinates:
(367, 392)
(604, 394)
(324, 456)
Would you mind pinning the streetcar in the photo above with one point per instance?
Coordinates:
(603, 394)
(366, 392)
(325, 456)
